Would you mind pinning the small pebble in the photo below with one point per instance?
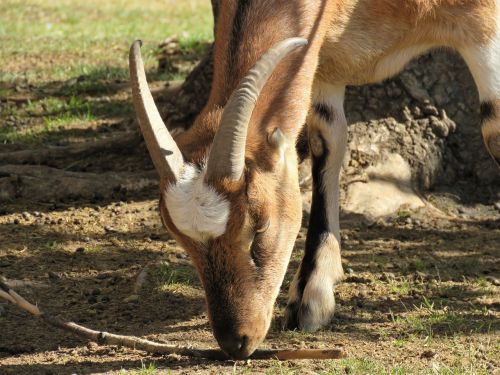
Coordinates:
(131, 299)
(92, 299)
(428, 354)
(53, 276)
(492, 279)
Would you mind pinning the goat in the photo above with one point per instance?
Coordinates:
(229, 191)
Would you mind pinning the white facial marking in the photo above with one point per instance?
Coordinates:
(195, 208)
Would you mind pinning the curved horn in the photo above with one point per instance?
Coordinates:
(166, 156)
(227, 157)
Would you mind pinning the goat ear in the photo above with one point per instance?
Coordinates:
(278, 142)
(277, 139)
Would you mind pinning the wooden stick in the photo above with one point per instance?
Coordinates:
(106, 338)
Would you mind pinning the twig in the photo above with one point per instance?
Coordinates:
(106, 338)
(141, 279)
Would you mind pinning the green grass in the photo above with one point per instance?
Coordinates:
(401, 288)
(144, 370)
(70, 60)
(5, 92)
(172, 277)
(429, 320)
(364, 366)
(55, 114)
(43, 41)
(354, 366)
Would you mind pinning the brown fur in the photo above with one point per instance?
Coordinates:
(350, 41)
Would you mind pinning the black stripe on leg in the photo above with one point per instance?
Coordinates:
(318, 221)
(324, 111)
(487, 111)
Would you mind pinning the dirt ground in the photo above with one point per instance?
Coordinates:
(421, 293)
(422, 288)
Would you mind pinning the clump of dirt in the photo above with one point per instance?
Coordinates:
(429, 114)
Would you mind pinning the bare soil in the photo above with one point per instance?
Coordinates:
(421, 292)
(421, 295)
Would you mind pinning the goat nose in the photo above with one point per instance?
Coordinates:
(235, 346)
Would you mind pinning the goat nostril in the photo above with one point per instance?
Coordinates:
(235, 346)
(238, 345)
(242, 344)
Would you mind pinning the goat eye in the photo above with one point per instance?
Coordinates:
(264, 227)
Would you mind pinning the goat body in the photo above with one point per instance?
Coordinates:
(239, 222)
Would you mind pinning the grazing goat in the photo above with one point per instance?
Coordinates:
(229, 186)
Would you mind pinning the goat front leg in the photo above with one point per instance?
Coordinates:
(311, 302)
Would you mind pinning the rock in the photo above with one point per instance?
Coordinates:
(493, 280)
(428, 354)
(388, 188)
(387, 276)
(53, 276)
(358, 279)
